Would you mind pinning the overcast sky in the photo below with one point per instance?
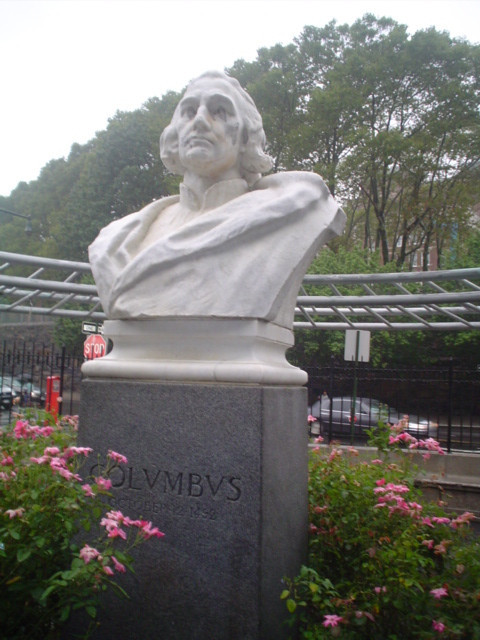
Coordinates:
(69, 65)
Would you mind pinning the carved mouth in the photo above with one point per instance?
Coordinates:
(199, 140)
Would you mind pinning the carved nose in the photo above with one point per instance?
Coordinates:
(201, 118)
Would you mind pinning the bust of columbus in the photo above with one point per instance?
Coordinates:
(233, 245)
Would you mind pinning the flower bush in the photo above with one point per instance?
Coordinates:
(383, 564)
(51, 561)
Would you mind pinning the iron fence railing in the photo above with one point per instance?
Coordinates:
(430, 300)
(446, 396)
(30, 362)
(445, 399)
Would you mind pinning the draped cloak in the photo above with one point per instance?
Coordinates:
(241, 258)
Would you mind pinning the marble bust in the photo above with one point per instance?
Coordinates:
(233, 245)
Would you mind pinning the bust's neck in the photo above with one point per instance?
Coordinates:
(199, 185)
(215, 196)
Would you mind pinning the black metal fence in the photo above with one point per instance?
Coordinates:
(447, 396)
(33, 363)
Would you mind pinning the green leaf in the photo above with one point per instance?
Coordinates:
(285, 593)
(92, 611)
(291, 605)
(65, 612)
(23, 554)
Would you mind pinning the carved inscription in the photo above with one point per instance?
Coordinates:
(153, 491)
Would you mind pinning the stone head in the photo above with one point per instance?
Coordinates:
(218, 98)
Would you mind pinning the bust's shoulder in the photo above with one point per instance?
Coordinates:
(156, 206)
(151, 210)
(293, 180)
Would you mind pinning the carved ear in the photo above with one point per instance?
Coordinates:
(169, 150)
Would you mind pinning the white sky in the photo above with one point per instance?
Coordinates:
(68, 65)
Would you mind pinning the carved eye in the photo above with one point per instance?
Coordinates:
(189, 112)
(220, 112)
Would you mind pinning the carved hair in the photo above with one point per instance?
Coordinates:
(253, 161)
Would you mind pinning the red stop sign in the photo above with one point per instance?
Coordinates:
(94, 347)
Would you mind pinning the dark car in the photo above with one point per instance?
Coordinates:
(6, 394)
(29, 394)
(368, 413)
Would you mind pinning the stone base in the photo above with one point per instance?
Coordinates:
(239, 351)
(222, 471)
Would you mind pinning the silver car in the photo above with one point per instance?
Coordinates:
(368, 413)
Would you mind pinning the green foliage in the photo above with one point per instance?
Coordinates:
(383, 564)
(48, 570)
(68, 333)
(115, 173)
(390, 120)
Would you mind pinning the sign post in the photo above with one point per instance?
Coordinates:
(357, 347)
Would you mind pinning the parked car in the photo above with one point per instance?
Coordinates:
(28, 393)
(6, 394)
(368, 413)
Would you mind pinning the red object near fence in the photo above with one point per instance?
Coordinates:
(53, 395)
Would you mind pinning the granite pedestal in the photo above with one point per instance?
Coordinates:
(222, 471)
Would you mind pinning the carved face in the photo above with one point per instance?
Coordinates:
(208, 124)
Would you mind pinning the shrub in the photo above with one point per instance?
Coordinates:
(383, 565)
(51, 562)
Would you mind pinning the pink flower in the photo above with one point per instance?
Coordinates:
(128, 522)
(336, 453)
(51, 451)
(116, 532)
(379, 590)
(377, 461)
(318, 440)
(439, 593)
(331, 620)
(88, 490)
(21, 429)
(117, 457)
(464, 518)
(89, 553)
(111, 523)
(108, 571)
(318, 509)
(427, 521)
(103, 483)
(438, 626)
(117, 516)
(7, 461)
(149, 531)
(84, 451)
(441, 548)
(15, 513)
(118, 565)
(428, 543)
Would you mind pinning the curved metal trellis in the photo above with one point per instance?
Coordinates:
(431, 300)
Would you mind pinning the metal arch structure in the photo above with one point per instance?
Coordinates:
(431, 300)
